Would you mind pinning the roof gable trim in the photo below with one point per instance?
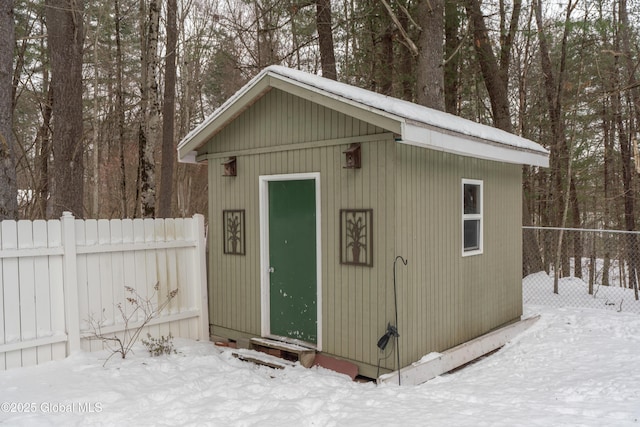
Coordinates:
(464, 145)
(229, 110)
(444, 132)
(380, 118)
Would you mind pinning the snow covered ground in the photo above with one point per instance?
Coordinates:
(574, 367)
(537, 289)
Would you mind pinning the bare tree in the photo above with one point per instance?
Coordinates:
(8, 184)
(65, 37)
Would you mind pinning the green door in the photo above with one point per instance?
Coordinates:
(292, 260)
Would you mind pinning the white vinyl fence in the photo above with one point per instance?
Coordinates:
(57, 275)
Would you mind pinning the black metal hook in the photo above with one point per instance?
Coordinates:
(395, 297)
(404, 261)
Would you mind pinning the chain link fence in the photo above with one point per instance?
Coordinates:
(581, 268)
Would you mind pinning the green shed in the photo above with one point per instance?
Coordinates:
(315, 187)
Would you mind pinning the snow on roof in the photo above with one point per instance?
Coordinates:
(417, 122)
(408, 110)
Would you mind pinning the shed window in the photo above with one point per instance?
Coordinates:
(472, 221)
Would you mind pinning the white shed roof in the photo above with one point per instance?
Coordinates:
(418, 125)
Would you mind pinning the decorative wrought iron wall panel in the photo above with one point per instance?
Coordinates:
(233, 232)
(356, 237)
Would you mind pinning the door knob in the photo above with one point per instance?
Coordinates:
(271, 269)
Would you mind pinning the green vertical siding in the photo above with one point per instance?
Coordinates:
(443, 298)
(279, 119)
(355, 300)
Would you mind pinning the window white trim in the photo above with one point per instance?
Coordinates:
(474, 216)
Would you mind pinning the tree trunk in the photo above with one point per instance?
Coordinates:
(495, 78)
(558, 150)
(560, 161)
(608, 163)
(452, 58)
(429, 68)
(629, 215)
(495, 75)
(325, 39)
(387, 58)
(151, 117)
(531, 257)
(168, 112)
(120, 117)
(405, 62)
(95, 152)
(43, 141)
(633, 249)
(577, 235)
(65, 36)
(266, 43)
(9, 187)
